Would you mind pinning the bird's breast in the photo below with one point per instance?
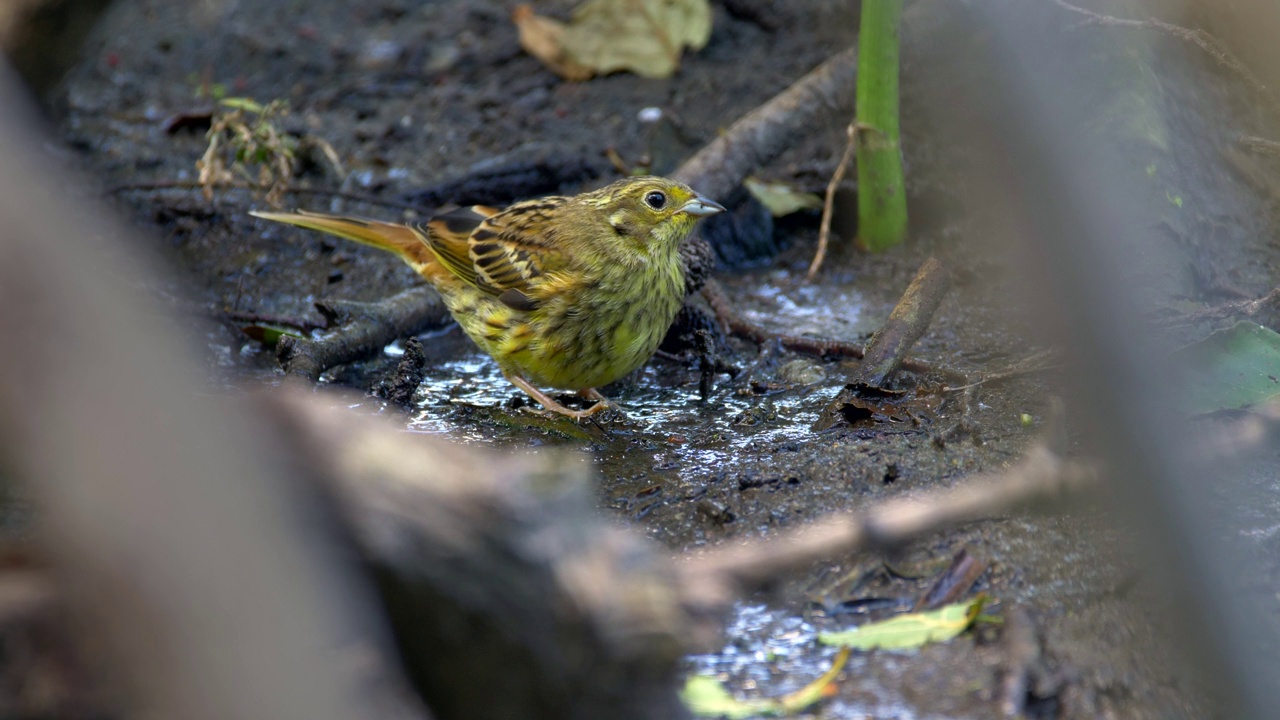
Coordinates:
(605, 332)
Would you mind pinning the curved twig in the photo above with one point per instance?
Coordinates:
(821, 347)
(828, 203)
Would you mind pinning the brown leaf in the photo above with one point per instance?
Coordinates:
(643, 36)
(646, 37)
(543, 38)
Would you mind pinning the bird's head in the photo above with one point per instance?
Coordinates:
(652, 212)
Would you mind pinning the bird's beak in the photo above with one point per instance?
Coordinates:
(702, 207)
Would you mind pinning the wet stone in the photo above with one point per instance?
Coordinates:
(801, 372)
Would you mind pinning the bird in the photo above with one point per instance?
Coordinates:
(567, 292)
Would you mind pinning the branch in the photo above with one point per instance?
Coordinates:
(712, 580)
(762, 134)
(363, 330)
(907, 322)
(891, 343)
(169, 517)
(509, 594)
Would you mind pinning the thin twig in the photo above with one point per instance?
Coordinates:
(324, 192)
(1027, 366)
(1200, 38)
(1247, 308)
(821, 347)
(1259, 145)
(824, 230)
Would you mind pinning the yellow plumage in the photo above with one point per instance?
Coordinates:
(564, 292)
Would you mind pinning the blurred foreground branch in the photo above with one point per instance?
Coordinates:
(208, 579)
(509, 594)
(42, 38)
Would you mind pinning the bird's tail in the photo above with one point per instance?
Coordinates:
(403, 240)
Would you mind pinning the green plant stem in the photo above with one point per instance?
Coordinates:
(882, 202)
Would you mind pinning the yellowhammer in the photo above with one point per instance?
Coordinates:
(566, 292)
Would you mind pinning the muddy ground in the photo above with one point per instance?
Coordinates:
(413, 95)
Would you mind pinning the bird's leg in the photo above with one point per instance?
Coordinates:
(593, 394)
(602, 402)
(546, 401)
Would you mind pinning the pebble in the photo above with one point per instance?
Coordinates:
(801, 372)
(379, 54)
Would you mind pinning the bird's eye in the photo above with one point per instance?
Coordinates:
(655, 200)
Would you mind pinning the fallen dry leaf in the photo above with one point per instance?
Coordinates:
(543, 38)
(646, 37)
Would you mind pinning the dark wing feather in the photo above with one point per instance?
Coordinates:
(506, 253)
(449, 236)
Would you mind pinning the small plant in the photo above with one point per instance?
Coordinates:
(246, 146)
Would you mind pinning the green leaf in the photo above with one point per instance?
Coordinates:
(911, 630)
(781, 199)
(1231, 368)
(242, 103)
(706, 697)
(816, 690)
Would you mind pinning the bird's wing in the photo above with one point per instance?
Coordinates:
(448, 235)
(508, 253)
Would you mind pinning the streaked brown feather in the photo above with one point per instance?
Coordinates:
(449, 235)
(504, 253)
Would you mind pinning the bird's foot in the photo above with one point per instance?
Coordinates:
(551, 405)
